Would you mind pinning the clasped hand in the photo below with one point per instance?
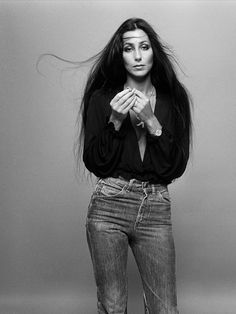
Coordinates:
(131, 99)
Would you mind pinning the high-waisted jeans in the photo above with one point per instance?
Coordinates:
(132, 213)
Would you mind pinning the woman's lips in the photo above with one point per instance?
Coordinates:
(139, 66)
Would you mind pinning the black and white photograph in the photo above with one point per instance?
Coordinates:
(117, 164)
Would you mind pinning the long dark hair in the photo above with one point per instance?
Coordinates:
(108, 72)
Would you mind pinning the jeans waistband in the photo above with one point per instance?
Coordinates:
(136, 185)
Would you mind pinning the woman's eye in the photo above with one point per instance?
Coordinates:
(127, 49)
(145, 47)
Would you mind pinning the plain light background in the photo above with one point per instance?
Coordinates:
(45, 265)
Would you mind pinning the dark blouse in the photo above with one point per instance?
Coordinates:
(108, 152)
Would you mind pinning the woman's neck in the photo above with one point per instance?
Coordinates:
(144, 86)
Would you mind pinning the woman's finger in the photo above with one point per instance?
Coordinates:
(138, 105)
(121, 94)
(119, 99)
(126, 96)
(139, 94)
(129, 106)
(127, 102)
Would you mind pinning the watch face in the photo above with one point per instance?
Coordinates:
(158, 132)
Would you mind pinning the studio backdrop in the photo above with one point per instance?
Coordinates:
(45, 265)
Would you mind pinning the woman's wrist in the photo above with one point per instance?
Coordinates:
(153, 126)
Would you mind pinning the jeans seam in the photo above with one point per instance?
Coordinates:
(140, 215)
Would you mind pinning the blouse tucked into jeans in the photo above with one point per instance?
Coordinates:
(111, 153)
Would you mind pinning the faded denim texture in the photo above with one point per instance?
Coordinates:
(137, 214)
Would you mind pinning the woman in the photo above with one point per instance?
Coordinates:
(137, 126)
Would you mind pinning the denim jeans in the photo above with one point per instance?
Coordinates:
(132, 213)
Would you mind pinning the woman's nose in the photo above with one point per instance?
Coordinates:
(137, 55)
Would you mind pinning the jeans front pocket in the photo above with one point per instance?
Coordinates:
(109, 188)
(165, 196)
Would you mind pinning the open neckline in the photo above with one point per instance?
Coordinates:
(119, 89)
(136, 138)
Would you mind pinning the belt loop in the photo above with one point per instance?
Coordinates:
(131, 181)
(153, 189)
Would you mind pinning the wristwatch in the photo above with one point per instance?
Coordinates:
(158, 132)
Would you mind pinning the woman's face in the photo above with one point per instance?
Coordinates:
(137, 53)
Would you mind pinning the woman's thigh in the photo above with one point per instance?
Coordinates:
(108, 244)
(154, 251)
